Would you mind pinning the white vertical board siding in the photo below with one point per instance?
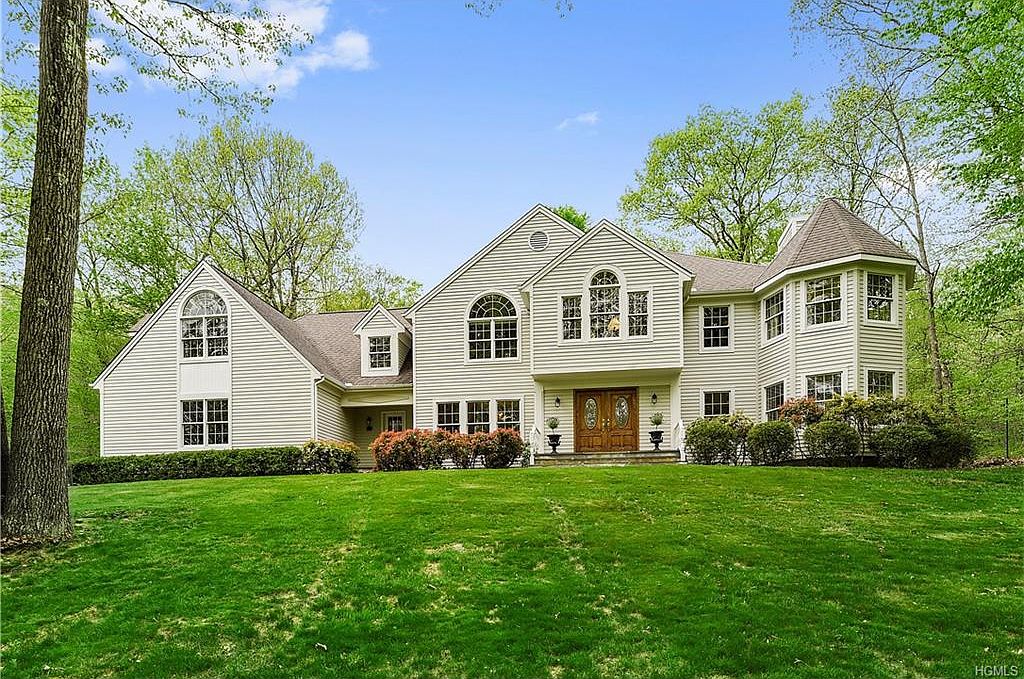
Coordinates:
(270, 391)
(882, 346)
(773, 359)
(637, 271)
(734, 370)
(822, 349)
(332, 421)
(442, 372)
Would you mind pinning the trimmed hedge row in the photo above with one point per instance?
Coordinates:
(425, 449)
(316, 457)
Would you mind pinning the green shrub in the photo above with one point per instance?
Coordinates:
(901, 445)
(832, 439)
(210, 463)
(770, 442)
(711, 441)
(326, 456)
(506, 447)
(953, 446)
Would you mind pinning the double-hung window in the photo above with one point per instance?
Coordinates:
(879, 298)
(639, 314)
(508, 414)
(824, 386)
(824, 300)
(493, 328)
(880, 383)
(572, 317)
(204, 422)
(715, 327)
(380, 351)
(774, 397)
(478, 416)
(774, 323)
(448, 416)
(717, 403)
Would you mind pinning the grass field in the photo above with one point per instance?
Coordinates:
(616, 572)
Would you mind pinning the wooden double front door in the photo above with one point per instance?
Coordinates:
(606, 420)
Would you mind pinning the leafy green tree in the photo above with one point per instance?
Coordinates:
(728, 176)
(366, 285)
(176, 42)
(261, 204)
(577, 218)
(874, 146)
(968, 58)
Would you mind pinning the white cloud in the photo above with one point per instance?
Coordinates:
(347, 50)
(102, 60)
(588, 119)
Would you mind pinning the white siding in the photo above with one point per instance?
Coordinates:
(775, 356)
(270, 389)
(882, 346)
(566, 422)
(821, 349)
(332, 420)
(734, 370)
(442, 372)
(637, 270)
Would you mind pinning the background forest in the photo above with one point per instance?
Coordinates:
(922, 134)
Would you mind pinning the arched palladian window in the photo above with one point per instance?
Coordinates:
(493, 328)
(204, 326)
(604, 305)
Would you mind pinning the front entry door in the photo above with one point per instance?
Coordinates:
(606, 420)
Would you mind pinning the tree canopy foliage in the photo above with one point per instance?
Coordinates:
(577, 218)
(726, 175)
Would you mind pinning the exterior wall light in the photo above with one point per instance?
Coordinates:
(558, 401)
(654, 399)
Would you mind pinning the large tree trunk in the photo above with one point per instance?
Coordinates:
(36, 504)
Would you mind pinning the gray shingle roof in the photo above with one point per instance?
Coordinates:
(325, 340)
(831, 232)
(719, 275)
(333, 334)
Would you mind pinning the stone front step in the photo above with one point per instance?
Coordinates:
(591, 459)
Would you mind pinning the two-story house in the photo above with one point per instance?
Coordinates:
(595, 328)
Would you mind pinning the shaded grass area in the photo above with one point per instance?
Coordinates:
(659, 571)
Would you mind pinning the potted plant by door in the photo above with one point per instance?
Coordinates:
(656, 420)
(553, 438)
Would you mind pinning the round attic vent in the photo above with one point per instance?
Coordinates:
(538, 240)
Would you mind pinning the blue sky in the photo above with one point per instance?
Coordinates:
(450, 125)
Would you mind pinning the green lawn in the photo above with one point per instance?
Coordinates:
(618, 572)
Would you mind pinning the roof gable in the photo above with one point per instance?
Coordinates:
(831, 232)
(605, 226)
(379, 310)
(495, 242)
(277, 323)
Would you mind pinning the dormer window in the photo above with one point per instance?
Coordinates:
(204, 326)
(380, 352)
